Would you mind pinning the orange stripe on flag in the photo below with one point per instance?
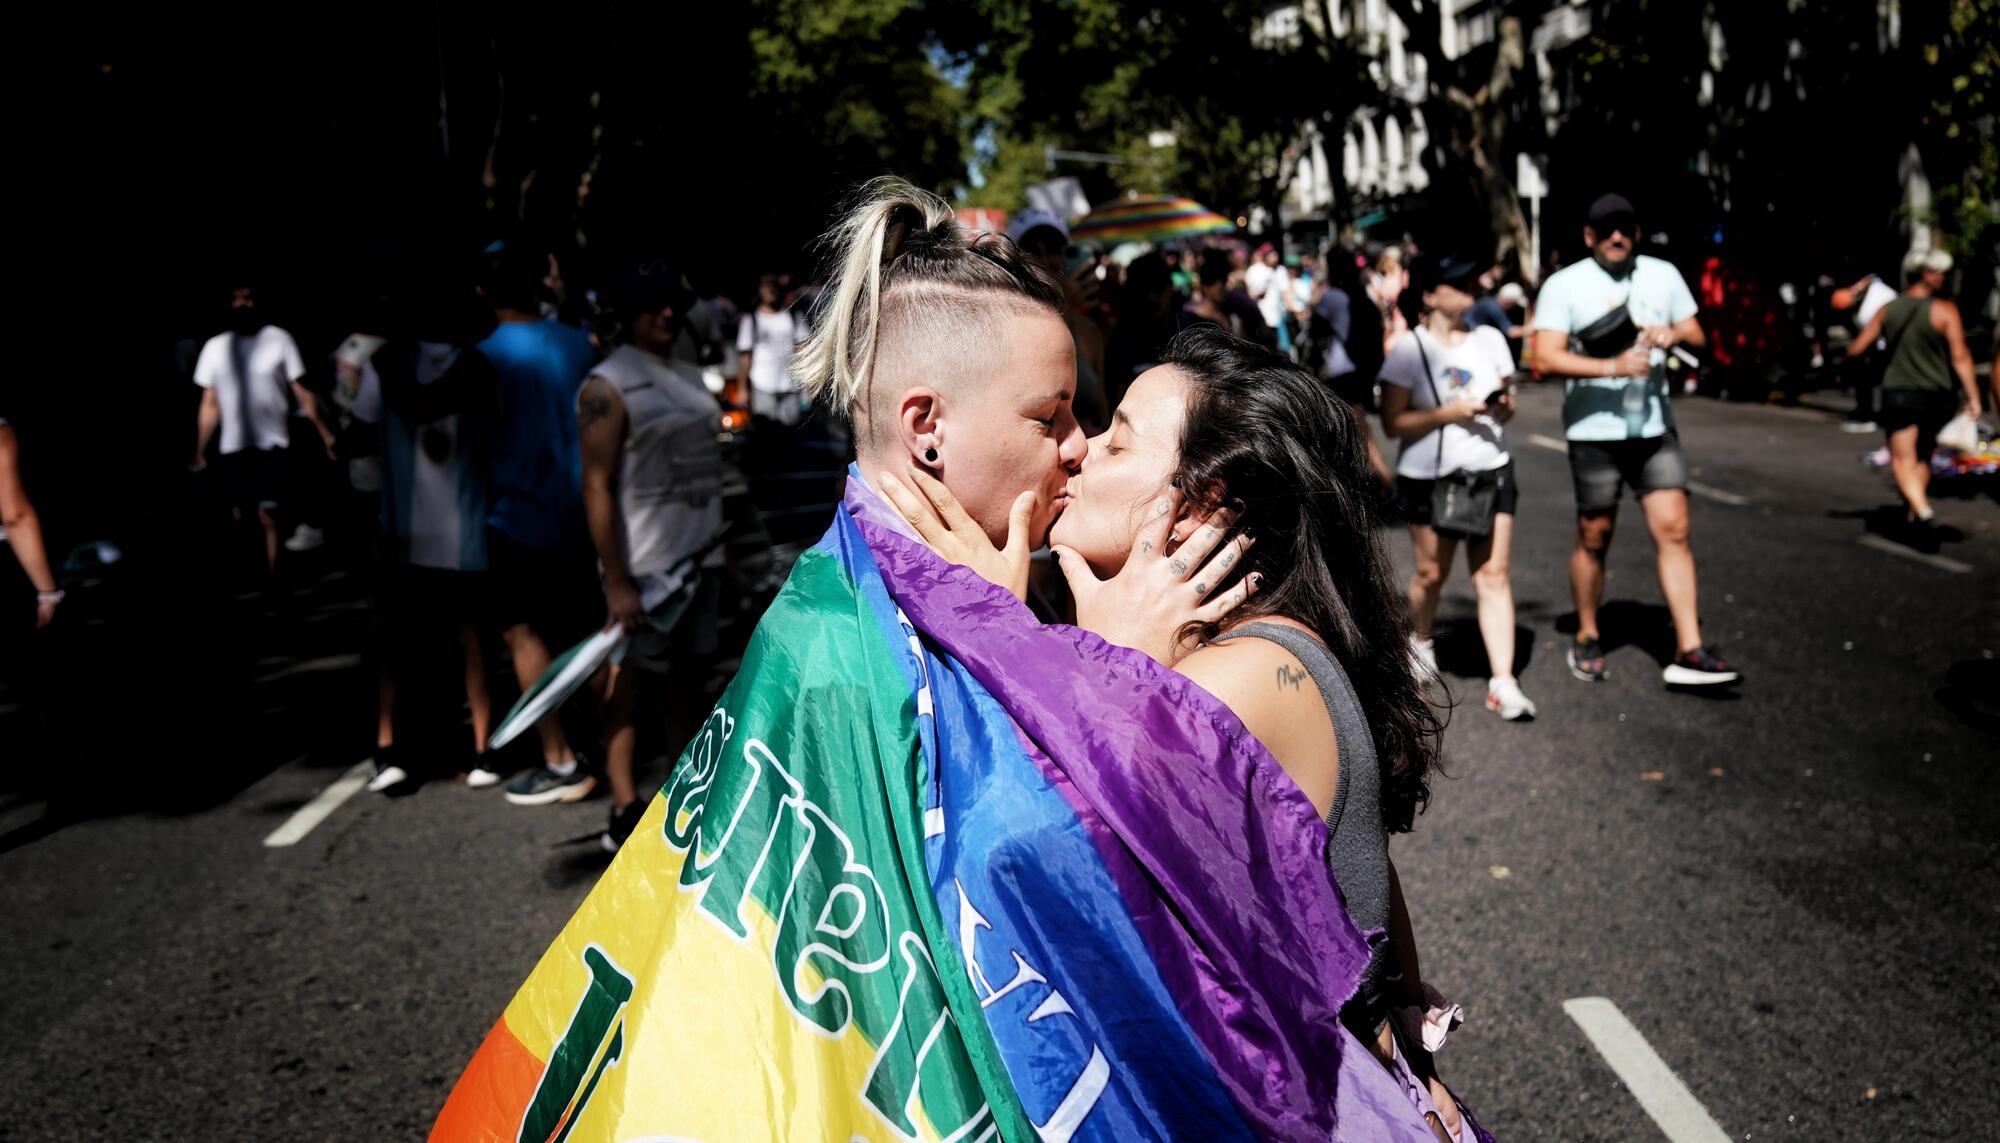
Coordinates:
(488, 1101)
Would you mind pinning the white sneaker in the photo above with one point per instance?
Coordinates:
(479, 777)
(1424, 652)
(1504, 698)
(386, 777)
(305, 538)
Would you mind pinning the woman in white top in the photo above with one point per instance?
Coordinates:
(1445, 396)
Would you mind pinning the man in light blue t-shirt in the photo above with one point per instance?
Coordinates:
(1620, 426)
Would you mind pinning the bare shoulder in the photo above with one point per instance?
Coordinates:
(1262, 683)
(1267, 687)
(1944, 313)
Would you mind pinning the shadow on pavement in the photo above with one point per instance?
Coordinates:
(1971, 692)
(1627, 623)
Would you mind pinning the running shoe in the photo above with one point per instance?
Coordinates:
(305, 538)
(1504, 698)
(479, 778)
(623, 821)
(543, 786)
(1586, 660)
(1699, 668)
(387, 772)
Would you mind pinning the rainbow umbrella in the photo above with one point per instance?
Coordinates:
(1148, 220)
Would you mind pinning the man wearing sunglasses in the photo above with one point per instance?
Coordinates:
(1603, 326)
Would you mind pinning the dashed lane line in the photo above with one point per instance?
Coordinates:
(1659, 1091)
(1942, 563)
(321, 807)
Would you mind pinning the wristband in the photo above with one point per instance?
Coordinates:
(55, 596)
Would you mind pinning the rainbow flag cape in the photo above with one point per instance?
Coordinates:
(933, 870)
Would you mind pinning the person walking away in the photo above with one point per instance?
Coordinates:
(431, 397)
(652, 489)
(249, 375)
(1348, 325)
(1867, 296)
(1445, 396)
(1926, 354)
(536, 540)
(765, 339)
(1603, 325)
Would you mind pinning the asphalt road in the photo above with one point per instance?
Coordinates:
(1789, 891)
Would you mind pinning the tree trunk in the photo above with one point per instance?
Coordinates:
(1475, 126)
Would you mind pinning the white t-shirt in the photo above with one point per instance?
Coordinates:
(1271, 288)
(1655, 294)
(769, 339)
(1877, 295)
(1466, 373)
(251, 376)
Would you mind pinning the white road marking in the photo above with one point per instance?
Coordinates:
(1659, 1091)
(1707, 491)
(309, 666)
(1719, 495)
(1942, 563)
(320, 808)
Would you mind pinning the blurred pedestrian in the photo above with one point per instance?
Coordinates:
(652, 488)
(1604, 325)
(1217, 302)
(1149, 316)
(21, 528)
(434, 399)
(1445, 395)
(1385, 289)
(1926, 379)
(1044, 238)
(249, 375)
(1864, 371)
(537, 549)
(1348, 327)
(765, 340)
(1269, 284)
(1487, 310)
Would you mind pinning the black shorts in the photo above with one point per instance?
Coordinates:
(254, 477)
(1601, 470)
(417, 596)
(555, 591)
(1414, 495)
(1927, 409)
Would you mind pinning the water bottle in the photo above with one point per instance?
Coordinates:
(1636, 391)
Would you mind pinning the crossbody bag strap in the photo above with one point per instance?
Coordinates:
(1437, 472)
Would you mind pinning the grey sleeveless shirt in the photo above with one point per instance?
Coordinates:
(1357, 846)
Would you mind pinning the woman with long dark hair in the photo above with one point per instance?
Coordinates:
(1227, 439)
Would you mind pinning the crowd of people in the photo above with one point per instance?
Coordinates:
(522, 476)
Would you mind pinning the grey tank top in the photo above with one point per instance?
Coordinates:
(1357, 847)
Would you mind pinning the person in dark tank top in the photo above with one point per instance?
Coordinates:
(1926, 380)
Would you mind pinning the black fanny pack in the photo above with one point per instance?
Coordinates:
(1608, 336)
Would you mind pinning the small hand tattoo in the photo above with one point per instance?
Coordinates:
(1227, 559)
(1287, 677)
(1145, 547)
(1201, 588)
(1180, 567)
(1160, 508)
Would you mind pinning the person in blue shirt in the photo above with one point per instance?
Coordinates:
(1620, 426)
(538, 551)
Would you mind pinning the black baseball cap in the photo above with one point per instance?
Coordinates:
(1430, 272)
(1612, 208)
(652, 285)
